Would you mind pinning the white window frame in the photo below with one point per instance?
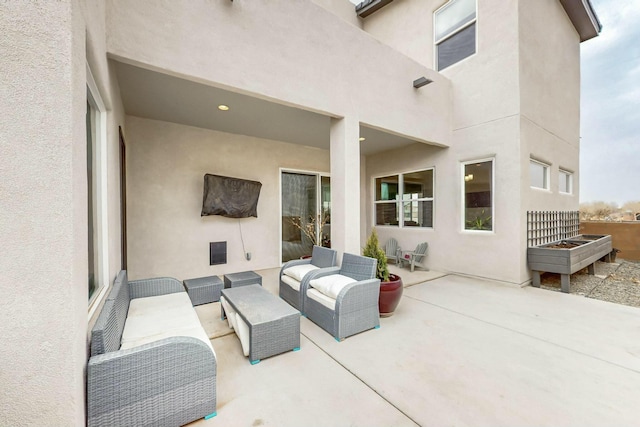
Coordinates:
(568, 177)
(102, 275)
(463, 202)
(319, 175)
(399, 201)
(547, 170)
(436, 41)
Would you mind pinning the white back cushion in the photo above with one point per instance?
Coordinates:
(331, 285)
(298, 271)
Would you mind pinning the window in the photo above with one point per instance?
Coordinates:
(478, 195)
(455, 32)
(565, 182)
(414, 208)
(96, 194)
(539, 174)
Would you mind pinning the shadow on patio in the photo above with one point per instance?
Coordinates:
(458, 351)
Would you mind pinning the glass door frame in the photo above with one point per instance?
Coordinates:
(319, 199)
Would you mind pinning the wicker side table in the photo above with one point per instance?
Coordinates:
(203, 290)
(244, 278)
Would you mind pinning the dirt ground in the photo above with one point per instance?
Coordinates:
(617, 282)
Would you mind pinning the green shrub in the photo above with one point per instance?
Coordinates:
(373, 250)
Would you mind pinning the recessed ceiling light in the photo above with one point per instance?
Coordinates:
(362, 138)
(223, 107)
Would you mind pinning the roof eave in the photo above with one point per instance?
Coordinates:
(367, 7)
(583, 17)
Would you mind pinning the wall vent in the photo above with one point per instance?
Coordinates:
(217, 253)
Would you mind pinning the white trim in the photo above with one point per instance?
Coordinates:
(568, 175)
(399, 201)
(95, 99)
(463, 205)
(547, 177)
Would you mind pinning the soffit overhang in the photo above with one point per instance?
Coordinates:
(583, 17)
(367, 7)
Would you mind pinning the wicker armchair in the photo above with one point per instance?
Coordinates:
(295, 275)
(350, 305)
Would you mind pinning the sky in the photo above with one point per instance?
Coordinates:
(610, 106)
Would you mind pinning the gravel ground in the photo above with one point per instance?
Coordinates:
(617, 282)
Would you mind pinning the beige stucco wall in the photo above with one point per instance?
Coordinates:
(44, 320)
(485, 125)
(407, 26)
(343, 9)
(450, 248)
(517, 97)
(166, 164)
(43, 317)
(293, 52)
(550, 101)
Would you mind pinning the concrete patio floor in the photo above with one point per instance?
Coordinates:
(458, 351)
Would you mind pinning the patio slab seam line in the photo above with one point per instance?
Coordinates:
(361, 380)
(527, 335)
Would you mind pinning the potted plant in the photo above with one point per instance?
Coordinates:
(390, 284)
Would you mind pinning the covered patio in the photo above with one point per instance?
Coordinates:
(458, 351)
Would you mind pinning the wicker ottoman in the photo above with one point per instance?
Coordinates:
(203, 290)
(244, 278)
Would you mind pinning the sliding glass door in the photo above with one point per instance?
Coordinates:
(306, 213)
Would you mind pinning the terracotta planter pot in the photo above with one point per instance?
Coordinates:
(390, 294)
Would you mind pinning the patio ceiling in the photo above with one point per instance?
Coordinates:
(159, 96)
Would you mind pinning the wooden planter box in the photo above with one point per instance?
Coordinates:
(585, 250)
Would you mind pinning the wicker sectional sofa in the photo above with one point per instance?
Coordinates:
(151, 361)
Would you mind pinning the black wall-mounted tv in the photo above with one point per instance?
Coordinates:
(230, 197)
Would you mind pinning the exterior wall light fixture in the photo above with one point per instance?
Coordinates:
(422, 81)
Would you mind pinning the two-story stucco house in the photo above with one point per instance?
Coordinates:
(439, 121)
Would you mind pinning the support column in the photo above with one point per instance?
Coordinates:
(345, 185)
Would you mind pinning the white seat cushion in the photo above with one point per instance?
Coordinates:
(229, 312)
(163, 316)
(299, 271)
(291, 282)
(321, 298)
(331, 285)
(242, 330)
(150, 306)
(237, 323)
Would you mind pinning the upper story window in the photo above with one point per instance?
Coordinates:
(565, 182)
(455, 32)
(539, 174)
(405, 200)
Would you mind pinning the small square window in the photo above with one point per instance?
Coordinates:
(565, 182)
(539, 174)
